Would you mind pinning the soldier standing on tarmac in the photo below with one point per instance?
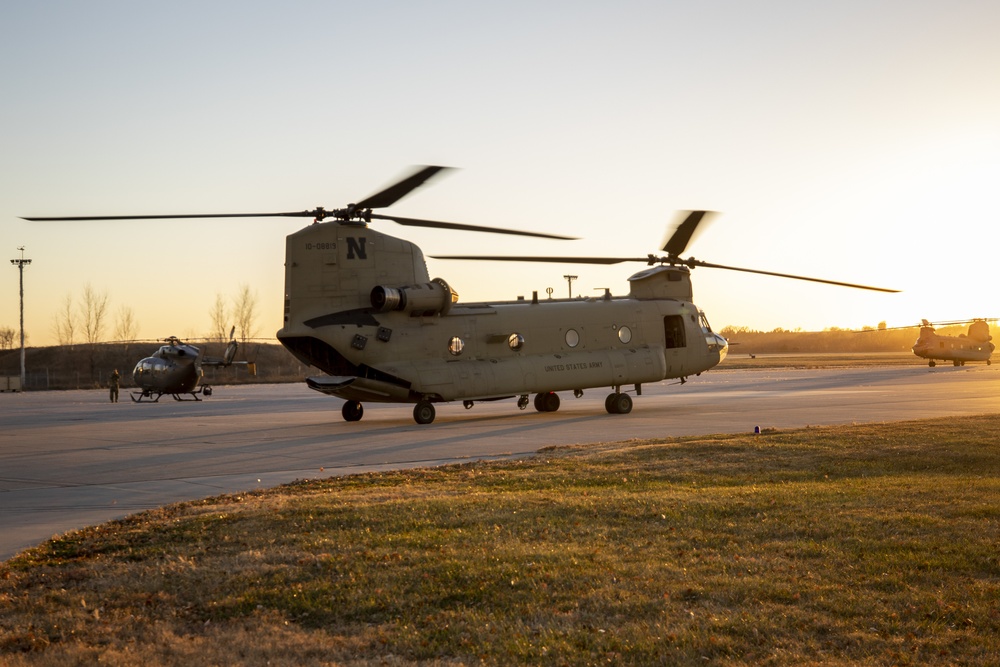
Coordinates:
(113, 385)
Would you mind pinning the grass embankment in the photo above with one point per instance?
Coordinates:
(874, 544)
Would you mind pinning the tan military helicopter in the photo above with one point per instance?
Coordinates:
(974, 346)
(361, 306)
(177, 369)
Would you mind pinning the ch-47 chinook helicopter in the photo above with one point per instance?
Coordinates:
(361, 306)
(176, 369)
(974, 346)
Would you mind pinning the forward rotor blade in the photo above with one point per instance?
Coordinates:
(395, 192)
(650, 259)
(415, 222)
(292, 214)
(552, 260)
(953, 322)
(697, 262)
(681, 237)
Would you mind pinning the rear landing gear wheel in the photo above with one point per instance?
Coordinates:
(931, 363)
(352, 411)
(618, 404)
(423, 412)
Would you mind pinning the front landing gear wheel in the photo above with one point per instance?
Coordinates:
(423, 412)
(618, 404)
(352, 411)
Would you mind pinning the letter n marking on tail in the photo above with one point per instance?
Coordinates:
(356, 248)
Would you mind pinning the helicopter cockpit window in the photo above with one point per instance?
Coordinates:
(673, 332)
(572, 338)
(515, 341)
(455, 345)
(624, 334)
(705, 326)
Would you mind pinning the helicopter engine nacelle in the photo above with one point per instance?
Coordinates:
(433, 298)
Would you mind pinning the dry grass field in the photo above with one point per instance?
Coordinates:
(737, 360)
(863, 545)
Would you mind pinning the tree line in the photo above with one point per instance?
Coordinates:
(834, 339)
(88, 319)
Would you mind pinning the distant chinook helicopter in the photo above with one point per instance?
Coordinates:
(361, 307)
(176, 369)
(974, 346)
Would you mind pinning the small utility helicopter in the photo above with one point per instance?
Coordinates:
(360, 306)
(974, 346)
(176, 369)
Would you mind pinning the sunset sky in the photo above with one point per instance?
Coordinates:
(855, 141)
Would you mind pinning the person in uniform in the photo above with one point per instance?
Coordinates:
(113, 385)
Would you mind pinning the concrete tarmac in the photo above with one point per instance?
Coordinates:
(69, 459)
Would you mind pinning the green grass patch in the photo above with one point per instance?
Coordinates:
(873, 544)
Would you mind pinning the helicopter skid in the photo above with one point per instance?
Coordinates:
(137, 398)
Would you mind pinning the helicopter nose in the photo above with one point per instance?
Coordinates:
(722, 345)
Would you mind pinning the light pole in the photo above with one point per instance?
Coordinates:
(20, 269)
(570, 280)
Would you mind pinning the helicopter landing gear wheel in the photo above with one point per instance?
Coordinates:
(522, 401)
(352, 411)
(547, 402)
(618, 404)
(931, 363)
(423, 412)
(206, 391)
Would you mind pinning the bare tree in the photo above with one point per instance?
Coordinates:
(7, 338)
(93, 316)
(125, 329)
(220, 319)
(245, 307)
(93, 313)
(64, 323)
(125, 324)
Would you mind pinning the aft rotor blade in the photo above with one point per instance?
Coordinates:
(697, 262)
(552, 260)
(291, 214)
(681, 237)
(394, 193)
(415, 222)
